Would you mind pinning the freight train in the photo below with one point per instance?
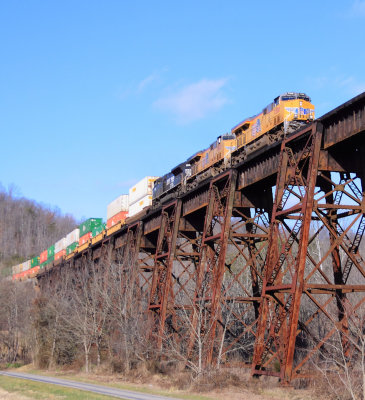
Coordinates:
(284, 115)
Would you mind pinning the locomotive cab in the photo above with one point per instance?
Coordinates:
(228, 144)
(296, 106)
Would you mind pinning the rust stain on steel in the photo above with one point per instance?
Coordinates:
(152, 224)
(195, 203)
(344, 121)
(258, 171)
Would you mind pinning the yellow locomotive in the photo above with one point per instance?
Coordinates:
(284, 115)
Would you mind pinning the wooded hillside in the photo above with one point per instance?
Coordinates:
(27, 228)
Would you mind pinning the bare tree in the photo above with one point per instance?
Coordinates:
(15, 320)
(342, 361)
(86, 314)
(127, 318)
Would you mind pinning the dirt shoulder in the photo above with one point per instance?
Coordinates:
(232, 385)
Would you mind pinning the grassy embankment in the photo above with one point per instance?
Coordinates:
(36, 390)
(21, 389)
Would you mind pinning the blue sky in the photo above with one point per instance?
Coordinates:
(95, 95)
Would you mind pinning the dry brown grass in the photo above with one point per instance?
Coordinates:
(228, 384)
(4, 395)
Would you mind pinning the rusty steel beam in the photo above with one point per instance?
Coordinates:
(344, 122)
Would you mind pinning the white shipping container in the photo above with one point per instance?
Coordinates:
(139, 205)
(26, 265)
(141, 189)
(60, 245)
(72, 237)
(116, 206)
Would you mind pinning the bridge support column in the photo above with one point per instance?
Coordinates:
(314, 282)
(205, 329)
(284, 276)
(244, 268)
(162, 303)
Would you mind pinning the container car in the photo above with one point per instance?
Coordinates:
(141, 189)
(118, 205)
(88, 225)
(138, 206)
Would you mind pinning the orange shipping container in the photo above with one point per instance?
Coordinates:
(33, 271)
(60, 254)
(83, 239)
(43, 257)
(121, 216)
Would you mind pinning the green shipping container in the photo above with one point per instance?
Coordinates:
(34, 262)
(50, 252)
(88, 225)
(71, 247)
(49, 261)
(97, 229)
(46, 263)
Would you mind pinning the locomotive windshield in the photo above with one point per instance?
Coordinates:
(294, 96)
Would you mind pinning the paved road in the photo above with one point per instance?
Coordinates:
(108, 391)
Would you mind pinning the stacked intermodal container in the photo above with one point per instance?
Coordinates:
(85, 238)
(117, 210)
(86, 229)
(43, 258)
(60, 249)
(139, 205)
(34, 262)
(26, 265)
(50, 254)
(17, 269)
(71, 248)
(140, 195)
(97, 230)
(33, 271)
(72, 241)
(34, 266)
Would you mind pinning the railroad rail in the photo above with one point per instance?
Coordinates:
(266, 268)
